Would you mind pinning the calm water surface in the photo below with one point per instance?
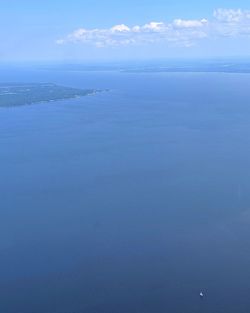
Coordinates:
(129, 201)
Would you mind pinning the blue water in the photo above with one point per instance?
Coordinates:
(129, 201)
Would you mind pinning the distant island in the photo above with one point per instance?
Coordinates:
(14, 94)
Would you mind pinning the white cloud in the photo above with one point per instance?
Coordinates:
(179, 23)
(154, 26)
(181, 32)
(231, 16)
(231, 23)
(120, 28)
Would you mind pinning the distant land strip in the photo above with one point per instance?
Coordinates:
(181, 66)
(17, 94)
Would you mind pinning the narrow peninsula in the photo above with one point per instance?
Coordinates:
(14, 94)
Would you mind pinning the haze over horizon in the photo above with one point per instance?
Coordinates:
(95, 30)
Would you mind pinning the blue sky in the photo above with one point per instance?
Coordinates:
(95, 30)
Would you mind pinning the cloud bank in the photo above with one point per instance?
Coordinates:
(180, 32)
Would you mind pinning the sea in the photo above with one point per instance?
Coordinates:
(131, 200)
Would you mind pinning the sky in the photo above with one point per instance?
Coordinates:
(53, 30)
